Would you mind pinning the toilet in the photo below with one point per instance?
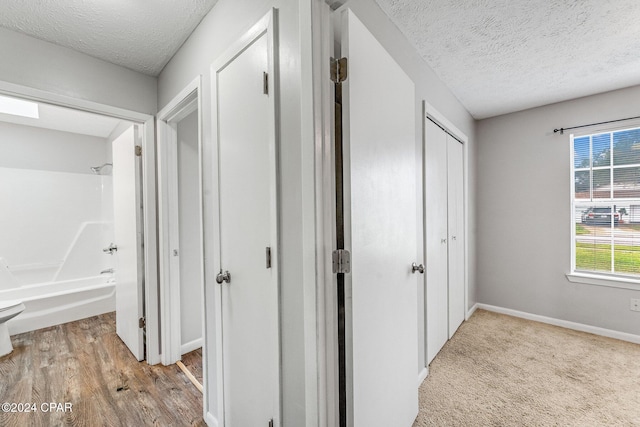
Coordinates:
(8, 310)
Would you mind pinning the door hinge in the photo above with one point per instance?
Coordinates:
(338, 70)
(341, 261)
(142, 322)
(138, 150)
(265, 83)
(268, 256)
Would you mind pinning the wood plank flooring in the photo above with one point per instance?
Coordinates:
(193, 362)
(84, 363)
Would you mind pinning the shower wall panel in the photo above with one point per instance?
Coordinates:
(44, 214)
(51, 200)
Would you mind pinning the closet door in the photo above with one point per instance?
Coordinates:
(436, 235)
(455, 206)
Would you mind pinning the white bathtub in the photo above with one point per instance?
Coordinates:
(53, 303)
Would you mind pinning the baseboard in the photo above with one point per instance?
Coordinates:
(211, 420)
(190, 346)
(623, 336)
(471, 311)
(422, 375)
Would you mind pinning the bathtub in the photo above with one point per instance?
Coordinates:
(52, 303)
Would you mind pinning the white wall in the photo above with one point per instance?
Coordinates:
(37, 64)
(189, 229)
(28, 147)
(524, 228)
(430, 88)
(49, 191)
(226, 23)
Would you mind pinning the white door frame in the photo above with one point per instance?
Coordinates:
(325, 200)
(146, 123)
(183, 104)
(214, 372)
(429, 112)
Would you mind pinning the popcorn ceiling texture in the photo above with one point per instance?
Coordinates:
(500, 56)
(141, 35)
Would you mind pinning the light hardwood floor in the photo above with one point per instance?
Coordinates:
(84, 363)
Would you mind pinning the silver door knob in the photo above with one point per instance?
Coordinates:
(111, 249)
(415, 267)
(223, 277)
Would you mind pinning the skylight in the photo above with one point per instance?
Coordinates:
(18, 107)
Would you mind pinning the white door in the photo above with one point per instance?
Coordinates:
(456, 238)
(127, 206)
(248, 226)
(436, 235)
(380, 230)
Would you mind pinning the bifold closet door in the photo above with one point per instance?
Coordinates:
(444, 236)
(455, 215)
(436, 235)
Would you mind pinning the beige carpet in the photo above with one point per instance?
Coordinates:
(505, 371)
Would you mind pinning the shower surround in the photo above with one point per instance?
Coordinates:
(55, 225)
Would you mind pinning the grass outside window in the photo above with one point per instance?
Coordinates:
(597, 257)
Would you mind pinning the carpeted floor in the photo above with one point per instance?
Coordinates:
(500, 370)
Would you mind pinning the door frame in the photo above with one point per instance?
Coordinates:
(183, 104)
(213, 344)
(430, 112)
(322, 35)
(146, 123)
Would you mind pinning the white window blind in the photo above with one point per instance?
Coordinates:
(606, 203)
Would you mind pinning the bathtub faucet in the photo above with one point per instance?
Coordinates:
(107, 271)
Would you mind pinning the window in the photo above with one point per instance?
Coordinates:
(606, 203)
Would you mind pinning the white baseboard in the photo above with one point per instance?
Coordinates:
(422, 375)
(563, 323)
(190, 346)
(471, 311)
(211, 420)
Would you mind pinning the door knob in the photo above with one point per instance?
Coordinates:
(415, 267)
(111, 249)
(223, 277)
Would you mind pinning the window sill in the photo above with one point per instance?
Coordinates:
(604, 280)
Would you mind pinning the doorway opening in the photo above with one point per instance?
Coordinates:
(181, 231)
(74, 179)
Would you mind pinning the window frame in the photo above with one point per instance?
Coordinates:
(611, 279)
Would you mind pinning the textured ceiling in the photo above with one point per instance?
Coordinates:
(141, 35)
(500, 56)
